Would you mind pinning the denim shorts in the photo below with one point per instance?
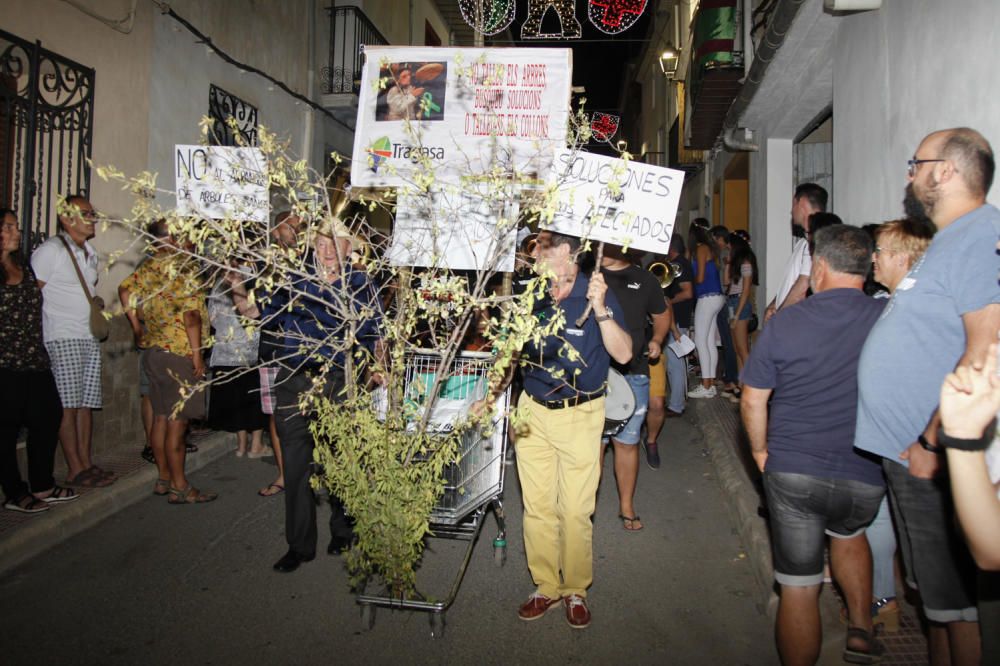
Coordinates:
(640, 388)
(804, 509)
(732, 301)
(934, 551)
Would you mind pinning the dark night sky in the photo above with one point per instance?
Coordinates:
(599, 59)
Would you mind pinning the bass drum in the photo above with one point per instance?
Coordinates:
(619, 405)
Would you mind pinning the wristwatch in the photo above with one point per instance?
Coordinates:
(604, 317)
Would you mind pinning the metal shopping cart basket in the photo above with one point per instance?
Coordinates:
(473, 485)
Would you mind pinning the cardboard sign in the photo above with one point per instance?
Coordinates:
(609, 199)
(453, 229)
(460, 111)
(219, 182)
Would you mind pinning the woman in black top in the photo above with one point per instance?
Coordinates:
(28, 395)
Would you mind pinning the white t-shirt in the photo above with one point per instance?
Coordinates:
(65, 310)
(800, 263)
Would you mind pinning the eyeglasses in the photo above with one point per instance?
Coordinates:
(911, 166)
(10, 226)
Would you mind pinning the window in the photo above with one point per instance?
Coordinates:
(222, 106)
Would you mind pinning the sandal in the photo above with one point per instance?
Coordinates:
(59, 494)
(190, 495)
(89, 479)
(271, 490)
(628, 522)
(870, 654)
(27, 504)
(161, 487)
(102, 472)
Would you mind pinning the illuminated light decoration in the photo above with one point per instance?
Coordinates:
(614, 16)
(497, 15)
(565, 10)
(604, 126)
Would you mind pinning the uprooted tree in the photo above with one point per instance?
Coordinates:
(378, 444)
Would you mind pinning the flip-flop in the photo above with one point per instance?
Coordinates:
(264, 492)
(628, 522)
(97, 471)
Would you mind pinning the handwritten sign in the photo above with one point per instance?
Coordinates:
(617, 201)
(219, 182)
(459, 112)
(460, 230)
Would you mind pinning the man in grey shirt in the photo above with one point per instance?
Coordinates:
(944, 313)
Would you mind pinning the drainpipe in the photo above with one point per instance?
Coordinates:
(310, 119)
(737, 139)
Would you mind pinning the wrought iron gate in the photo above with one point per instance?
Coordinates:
(46, 130)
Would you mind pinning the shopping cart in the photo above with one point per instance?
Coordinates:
(473, 485)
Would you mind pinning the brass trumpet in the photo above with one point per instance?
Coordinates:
(665, 273)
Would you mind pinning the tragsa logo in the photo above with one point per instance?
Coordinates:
(380, 150)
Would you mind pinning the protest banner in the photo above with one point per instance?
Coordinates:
(219, 182)
(454, 229)
(463, 111)
(613, 200)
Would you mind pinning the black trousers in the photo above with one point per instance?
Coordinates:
(28, 398)
(297, 448)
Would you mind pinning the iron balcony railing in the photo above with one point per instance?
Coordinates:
(350, 32)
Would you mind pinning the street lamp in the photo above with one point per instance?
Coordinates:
(669, 60)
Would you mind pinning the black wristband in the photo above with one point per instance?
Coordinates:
(965, 444)
(927, 446)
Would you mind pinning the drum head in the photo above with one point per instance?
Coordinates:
(620, 403)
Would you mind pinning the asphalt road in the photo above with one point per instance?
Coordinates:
(161, 584)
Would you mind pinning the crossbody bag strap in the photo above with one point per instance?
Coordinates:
(79, 273)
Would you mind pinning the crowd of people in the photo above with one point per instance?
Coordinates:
(871, 331)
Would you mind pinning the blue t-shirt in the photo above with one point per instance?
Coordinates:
(808, 354)
(594, 360)
(921, 335)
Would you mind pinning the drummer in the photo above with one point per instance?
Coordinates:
(559, 449)
(642, 300)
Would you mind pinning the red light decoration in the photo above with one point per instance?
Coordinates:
(614, 16)
(604, 126)
(497, 15)
(565, 10)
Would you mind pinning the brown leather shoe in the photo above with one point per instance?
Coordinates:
(577, 613)
(536, 606)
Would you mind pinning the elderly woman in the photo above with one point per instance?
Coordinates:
(898, 245)
(235, 400)
(28, 392)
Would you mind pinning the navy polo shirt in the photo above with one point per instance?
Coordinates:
(543, 363)
(808, 355)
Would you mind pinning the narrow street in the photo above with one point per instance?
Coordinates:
(161, 584)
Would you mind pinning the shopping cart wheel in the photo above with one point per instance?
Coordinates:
(367, 617)
(499, 551)
(437, 625)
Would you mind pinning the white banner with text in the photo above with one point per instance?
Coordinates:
(219, 182)
(613, 200)
(458, 112)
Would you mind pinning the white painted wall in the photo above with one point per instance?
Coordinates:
(899, 73)
(182, 71)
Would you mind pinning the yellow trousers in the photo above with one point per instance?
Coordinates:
(559, 466)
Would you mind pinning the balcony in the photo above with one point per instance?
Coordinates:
(715, 74)
(350, 32)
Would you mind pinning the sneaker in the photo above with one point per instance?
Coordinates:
(652, 455)
(702, 392)
(147, 455)
(577, 613)
(536, 606)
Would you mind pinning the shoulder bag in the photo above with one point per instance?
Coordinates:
(99, 326)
